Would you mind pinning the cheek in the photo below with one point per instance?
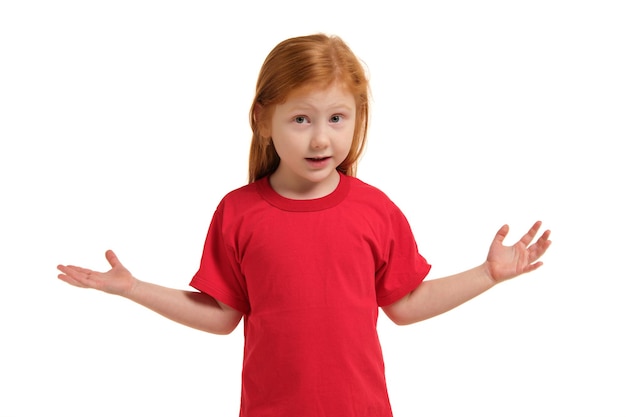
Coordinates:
(289, 139)
(284, 146)
(346, 142)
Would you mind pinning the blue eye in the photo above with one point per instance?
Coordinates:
(336, 118)
(299, 119)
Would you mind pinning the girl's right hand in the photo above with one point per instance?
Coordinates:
(118, 280)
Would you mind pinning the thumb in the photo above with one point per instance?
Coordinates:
(504, 230)
(112, 258)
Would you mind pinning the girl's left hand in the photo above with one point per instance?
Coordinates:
(505, 262)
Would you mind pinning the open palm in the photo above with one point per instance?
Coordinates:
(506, 262)
(118, 280)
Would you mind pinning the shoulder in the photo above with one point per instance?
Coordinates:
(367, 193)
(240, 200)
(243, 193)
(369, 203)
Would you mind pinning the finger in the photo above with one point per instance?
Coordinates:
(533, 267)
(545, 236)
(530, 235)
(71, 281)
(540, 247)
(69, 273)
(501, 234)
(112, 258)
(75, 274)
(77, 269)
(544, 240)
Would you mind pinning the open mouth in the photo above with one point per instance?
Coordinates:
(318, 159)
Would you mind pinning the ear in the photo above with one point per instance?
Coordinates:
(261, 118)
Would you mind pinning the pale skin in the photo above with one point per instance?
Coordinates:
(312, 133)
(433, 297)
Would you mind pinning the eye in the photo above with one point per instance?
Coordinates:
(336, 118)
(300, 119)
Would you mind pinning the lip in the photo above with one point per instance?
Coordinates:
(318, 162)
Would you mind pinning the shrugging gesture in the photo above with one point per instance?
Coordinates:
(436, 296)
(282, 250)
(191, 308)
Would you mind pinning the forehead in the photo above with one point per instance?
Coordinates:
(318, 96)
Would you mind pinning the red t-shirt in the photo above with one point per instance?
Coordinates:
(309, 276)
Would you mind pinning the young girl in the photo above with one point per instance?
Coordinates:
(306, 253)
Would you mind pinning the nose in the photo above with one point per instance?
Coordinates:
(320, 138)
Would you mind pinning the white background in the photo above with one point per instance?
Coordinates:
(122, 124)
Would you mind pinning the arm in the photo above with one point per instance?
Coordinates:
(434, 297)
(193, 309)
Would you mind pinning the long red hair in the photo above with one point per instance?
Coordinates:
(314, 60)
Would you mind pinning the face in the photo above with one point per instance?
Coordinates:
(312, 132)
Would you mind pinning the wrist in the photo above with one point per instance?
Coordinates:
(133, 288)
(486, 271)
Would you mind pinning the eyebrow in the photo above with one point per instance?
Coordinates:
(307, 106)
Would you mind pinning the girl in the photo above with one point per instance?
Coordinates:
(306, 253)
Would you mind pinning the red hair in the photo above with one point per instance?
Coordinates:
(314, 60)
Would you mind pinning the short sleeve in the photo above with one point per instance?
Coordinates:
(219, 273)
(403, 268)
